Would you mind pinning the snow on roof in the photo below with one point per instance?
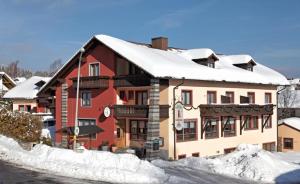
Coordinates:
(197, 53)
(27, 89)
(240, 59)
(19, 80)
(164, 64)
(293, 122)
(294, 81)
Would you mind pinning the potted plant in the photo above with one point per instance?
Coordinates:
(104, 146)
(114, 147)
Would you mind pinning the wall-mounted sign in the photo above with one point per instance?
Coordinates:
(106, 112)
(179, 123)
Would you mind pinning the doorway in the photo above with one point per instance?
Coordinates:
(121, 133)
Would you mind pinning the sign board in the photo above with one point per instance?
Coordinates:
(106, 112)
(179, 123)
(76, 131)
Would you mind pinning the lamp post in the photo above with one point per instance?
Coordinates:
(76, 129)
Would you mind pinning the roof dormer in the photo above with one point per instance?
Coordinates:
(204, 57)
(245, 62)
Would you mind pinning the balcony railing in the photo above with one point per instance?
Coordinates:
(138, 111)
(92, 82)
(236, 110)
(131, 81)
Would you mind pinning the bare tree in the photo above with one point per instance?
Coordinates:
(55, 66)
(286, 102)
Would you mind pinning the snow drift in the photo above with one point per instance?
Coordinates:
(94, 165)
(248, 161)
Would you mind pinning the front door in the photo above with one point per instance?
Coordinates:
(121, 136)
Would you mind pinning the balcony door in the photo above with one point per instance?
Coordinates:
(121, 133)
(141, 98)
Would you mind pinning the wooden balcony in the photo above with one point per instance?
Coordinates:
(131, 81)
(92, 82)
(138, 111)
(236, 110)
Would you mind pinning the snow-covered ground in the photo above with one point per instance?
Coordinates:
(94, 165)
(248, 162)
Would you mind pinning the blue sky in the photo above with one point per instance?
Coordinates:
(37, 32)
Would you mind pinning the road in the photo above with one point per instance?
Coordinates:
(11, 174)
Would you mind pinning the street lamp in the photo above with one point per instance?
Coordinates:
(76, 128)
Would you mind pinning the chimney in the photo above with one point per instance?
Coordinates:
(160, 43)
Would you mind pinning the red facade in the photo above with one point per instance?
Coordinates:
(101, 98)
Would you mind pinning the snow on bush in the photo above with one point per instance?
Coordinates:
(94, 165)
(248, 161)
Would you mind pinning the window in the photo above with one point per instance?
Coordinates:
(251, 96)
(268, 98)
(28, 108)
(250, 68)
(269, 121)
(138, 130)
(21, 108)
(211, 97)
(229, 126)
(186, 97)
(181, 156)
(230, 94)
(88, 122)
(211, 64)
(94, 69)
(251, 122)
(195, 154)
(211, 128)
(141, 97)
(269, 146)
(189, 131)
(130, 95)
(229, 150)
(123, 95)
(288, 143)
(86, 99)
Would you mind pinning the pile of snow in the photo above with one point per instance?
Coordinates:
(46, 133)
(248, 162)
(94, 165)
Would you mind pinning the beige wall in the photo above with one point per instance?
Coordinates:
(288, 132)
(216, 146)
(16, 103)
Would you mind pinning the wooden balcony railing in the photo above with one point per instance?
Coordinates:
(92, 82)
(131, 81)
(139, 111)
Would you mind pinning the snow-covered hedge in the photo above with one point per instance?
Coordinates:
(20, 126)
(94, 165)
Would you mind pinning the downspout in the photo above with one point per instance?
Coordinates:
(277, 93)
(174, 129)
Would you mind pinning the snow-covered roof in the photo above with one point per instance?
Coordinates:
(294, 81)
(293, 122)
(19, 80)
(197, 53)
(164, 64)
(27, 89)
(240, 59)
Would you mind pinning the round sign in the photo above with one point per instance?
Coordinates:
(76, 131)
(106, 112)
(179, 125)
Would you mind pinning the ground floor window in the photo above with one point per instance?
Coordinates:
(189, 131)
(229, 126)
(270, 146)
(211, 128)
(195, 154)
(138, 129)
(251, 122)
(181, 156)
(88, 122)
(288, 143)
(229, 150)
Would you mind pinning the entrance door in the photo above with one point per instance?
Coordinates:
(121, 135)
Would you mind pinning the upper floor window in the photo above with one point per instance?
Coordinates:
(123, 95)
(251, 96)
(268, 98)
(211, 97)
(86, 97)
(141, 97)
(138, 130)
(230, 95)
(94, 69)
(88, 122)
(189, 131)
(186, 97)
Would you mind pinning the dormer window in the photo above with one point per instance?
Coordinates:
(247, 66)
(209, 62)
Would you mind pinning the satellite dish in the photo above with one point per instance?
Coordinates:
(106, 112)
(179, 125)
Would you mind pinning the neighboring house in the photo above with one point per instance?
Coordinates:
(24, 96)
(289, 134)
(6, 83)
(289, 100)
(234, 96)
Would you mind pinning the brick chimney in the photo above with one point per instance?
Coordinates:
(160, 43)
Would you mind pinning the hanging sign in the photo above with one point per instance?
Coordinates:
(179, 123)
(106, 112)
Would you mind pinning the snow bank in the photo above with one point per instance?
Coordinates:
(94, 165)
(46, 133)
(248, 161)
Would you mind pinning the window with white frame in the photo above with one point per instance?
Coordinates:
(94, 69)
(88, 122)
(86, 98)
